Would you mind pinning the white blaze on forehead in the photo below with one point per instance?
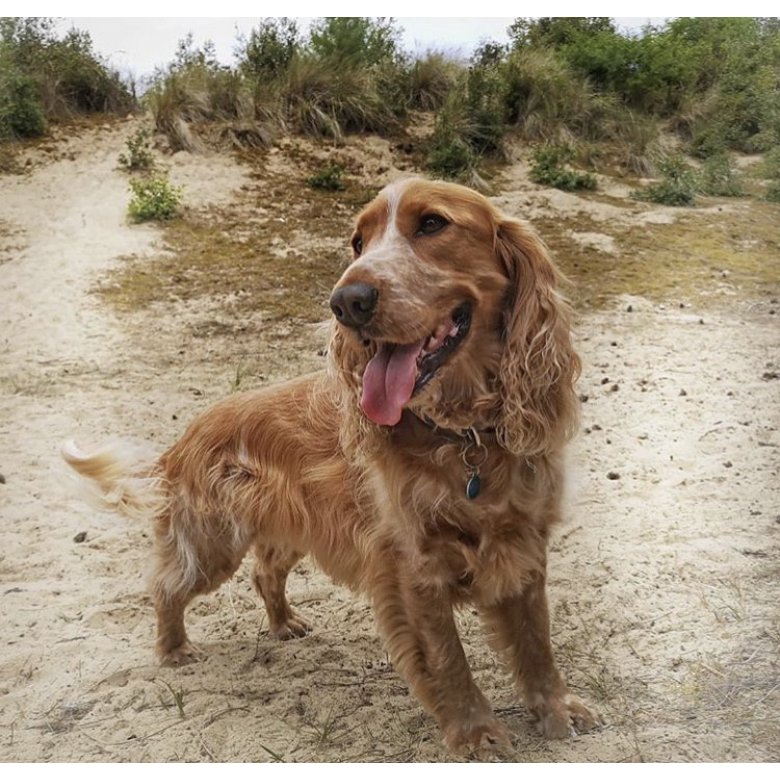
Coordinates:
(392, 235)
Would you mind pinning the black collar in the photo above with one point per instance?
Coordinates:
(473, 451)
(469, 434)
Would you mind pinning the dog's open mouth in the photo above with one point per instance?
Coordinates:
(398, 371)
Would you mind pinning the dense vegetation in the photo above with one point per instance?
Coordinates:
(579, 83)
(44, 77)
(573, 83)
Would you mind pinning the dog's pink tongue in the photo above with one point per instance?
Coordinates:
(388, 382)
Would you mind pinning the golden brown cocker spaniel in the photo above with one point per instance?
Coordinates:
(423, 467)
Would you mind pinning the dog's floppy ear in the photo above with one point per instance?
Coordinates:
(539, 365)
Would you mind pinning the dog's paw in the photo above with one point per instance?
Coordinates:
(292, 628)
(180, 656)
(482, 738)
(565, 716)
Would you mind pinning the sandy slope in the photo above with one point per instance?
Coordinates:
(663, 582)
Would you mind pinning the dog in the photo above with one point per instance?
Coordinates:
(423, 466)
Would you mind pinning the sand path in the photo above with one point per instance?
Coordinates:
(663, 582)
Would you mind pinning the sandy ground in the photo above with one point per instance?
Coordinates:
(663, 581)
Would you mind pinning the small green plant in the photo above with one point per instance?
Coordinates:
(551, 167)
(139, 152)
(719, 177)
(154, 197)
(677, 187)
(328, 179)
(451, 157)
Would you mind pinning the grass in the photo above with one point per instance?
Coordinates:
(683, 261)
(178, 697)
(283, 263)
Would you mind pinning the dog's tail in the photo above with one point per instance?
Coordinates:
(122, 477)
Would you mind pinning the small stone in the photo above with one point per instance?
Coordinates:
(80, 537)
(683, 393)
(728, 464)
(584, 398)
(613, 475)
(2, 480)
(605, 380)
(629, 308)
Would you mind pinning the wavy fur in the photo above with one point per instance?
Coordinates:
(297, 469)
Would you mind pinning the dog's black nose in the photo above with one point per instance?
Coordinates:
(354, 305)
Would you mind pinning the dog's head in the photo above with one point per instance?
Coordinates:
(450, 310)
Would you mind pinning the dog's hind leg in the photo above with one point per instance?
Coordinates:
(274, 563)
(187, 565)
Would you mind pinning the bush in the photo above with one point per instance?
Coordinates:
(451, 158)
(428, 81)
(678, 186)
(139, 155)
(44, 77)
(771, 169)
(154, 198)
(21, 113)
(324, 98)
(354, 41)
(328, 179)
(545, 100)
(270, 47)
(449, 152)
(719, 177)
(551, 167)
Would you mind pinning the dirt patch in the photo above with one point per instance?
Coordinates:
(662, 582)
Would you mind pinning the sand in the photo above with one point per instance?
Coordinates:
(663, 580)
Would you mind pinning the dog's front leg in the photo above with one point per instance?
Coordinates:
(420, 635)
(519, 628)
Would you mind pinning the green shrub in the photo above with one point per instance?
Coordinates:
(44, 77)
(354, 41)
(21, 112)
(544, 98)
(328, 179)
(451, 158)
(139, 155)
(268, 51)
(552, 167)
(154, 198)
(719, 177)
(677, 187)
(773, 192)
(449, 153)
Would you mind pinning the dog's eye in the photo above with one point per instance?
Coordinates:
(357, 245)
(431, 223)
